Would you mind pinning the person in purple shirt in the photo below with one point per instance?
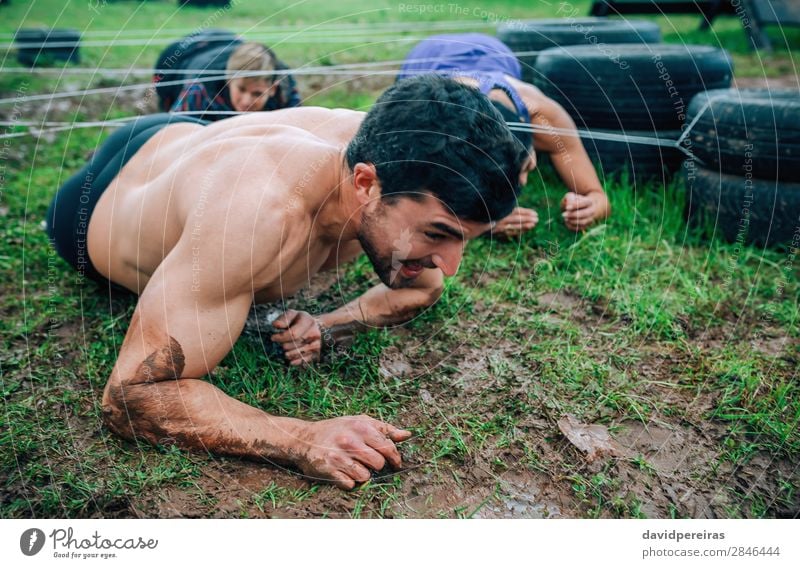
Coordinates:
(490, 66)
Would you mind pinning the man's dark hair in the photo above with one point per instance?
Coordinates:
(524, 137)
(436, 135)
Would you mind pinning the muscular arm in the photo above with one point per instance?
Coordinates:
(383, 306)
(188, 317)
(182, 327)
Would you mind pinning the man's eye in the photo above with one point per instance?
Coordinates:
(434, 236)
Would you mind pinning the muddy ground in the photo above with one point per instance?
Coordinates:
(683, 476)
(665, 467)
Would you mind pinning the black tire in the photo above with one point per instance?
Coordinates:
(644, 162)
(205, 3)
(41, 54)
(631, 87)
(745, 209)
(538, 35)
(749, 130)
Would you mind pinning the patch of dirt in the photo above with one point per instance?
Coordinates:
(783, 82)
(768, 340)
(686, 474)
(310, 85)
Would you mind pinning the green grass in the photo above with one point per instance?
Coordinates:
(630, 345)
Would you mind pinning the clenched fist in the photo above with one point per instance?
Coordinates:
(580, 211)
(301, 337)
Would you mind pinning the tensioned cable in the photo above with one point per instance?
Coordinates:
(517, 126)
(609, 136)
(297, 70)
(343, 69)
(317, 35)
(344, 38)
(305, 28)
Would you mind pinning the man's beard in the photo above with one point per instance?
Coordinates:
(382, 266)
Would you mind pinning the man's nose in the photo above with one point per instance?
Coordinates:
(448, 258)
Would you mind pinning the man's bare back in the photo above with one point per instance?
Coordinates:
(205, 220)
(220, 179)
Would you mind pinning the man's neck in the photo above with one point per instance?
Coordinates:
(339, 216)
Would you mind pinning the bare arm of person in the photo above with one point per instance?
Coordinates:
(586, 202)
(187, 319)
(379, 306)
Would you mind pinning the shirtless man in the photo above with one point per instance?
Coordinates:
(489, 65)
(204, 220)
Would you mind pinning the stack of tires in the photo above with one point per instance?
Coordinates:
(626, 90)
(747, 187)
(537, 35)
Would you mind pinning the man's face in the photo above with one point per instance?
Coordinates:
(402, 237)
(249, 94)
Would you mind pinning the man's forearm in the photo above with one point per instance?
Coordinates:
(379, 306)
(194, 414)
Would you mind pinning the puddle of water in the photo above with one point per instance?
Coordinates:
(519, 503)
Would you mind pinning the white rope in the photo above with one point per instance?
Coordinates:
(344, 38)
(296, 70)
(332, 70)
(609, 136)
(377, 26)
(517, 126)
(703, 109)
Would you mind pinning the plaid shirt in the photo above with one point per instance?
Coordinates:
(196, 97)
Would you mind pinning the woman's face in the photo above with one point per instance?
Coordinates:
(250, 94)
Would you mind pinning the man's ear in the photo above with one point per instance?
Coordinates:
(365, 180)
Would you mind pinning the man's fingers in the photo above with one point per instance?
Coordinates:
(285, 320)
(368, 456)
(305, 352)
(356, 472)
(577, 206)
(342, 480)
(394, 434)
(575, 201)
(295, 334)
(386, 448)
(579, 214)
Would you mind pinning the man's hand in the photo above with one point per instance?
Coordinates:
(580, 211)
(302, 338)
(519, 220)
(345, 449)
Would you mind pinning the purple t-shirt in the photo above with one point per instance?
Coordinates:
(478, 56)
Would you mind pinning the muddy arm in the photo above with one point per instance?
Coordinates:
(383, 306)
(181, 328)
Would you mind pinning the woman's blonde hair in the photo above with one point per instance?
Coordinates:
(251, 57)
